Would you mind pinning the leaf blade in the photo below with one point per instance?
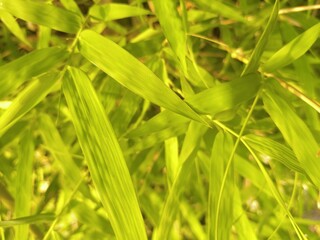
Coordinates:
(115, 11)
(293, 50)
(43, 14)
(254, 60)
(131, 73)
(292, 127)
(104, 156)
(14, 73)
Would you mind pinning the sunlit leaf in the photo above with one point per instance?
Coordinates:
(226, 95)
(293, 50)
(254, 60)
(104, 156)
(14, 73)
(27, 99)
(114, 11)
(295, 132)
(173, 27)
(24, 183)
(131, 73)
(219, 227)
(43, 14)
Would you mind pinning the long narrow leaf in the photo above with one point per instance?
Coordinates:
(43, 14)
(13, 26)
(221, 151)
(26, 100)
(13, 74)
(24, 182)
(254, 59)
(131, 73)
(293, 50)
(225, 96)
(114, 11)
(173, 27)
(104, 156)
(295, 132)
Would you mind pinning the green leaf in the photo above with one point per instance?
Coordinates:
(254, 60)
(293, 50)
(59, 150)
(221, 151)
(43, 14)
(45, 217)
(114, 11)
(27, 99)
(163, 126)
(226, 95)
(131, 73)
(13, 26)
(90, 217)
(173, 27)
(252, 173)
(13, 74)
(222, 9)
(275, 150)
(24, 182)
(170, 209)
(243, 225)
(104, 156)
(295, 132)
(162, 121)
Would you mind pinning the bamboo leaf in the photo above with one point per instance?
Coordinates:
(170, 209)
(293, 50)
(59, 151)
(13, 26)
(45, 217)
(13, 74)
(221, 151)
(104, 156)
(275, 150)
(222, 9)
(114, 11)
(27, 99)
(173, 27)
(43, 14)
(186, 161)
(131, 73)
(24, 182)
(243, 225)
(225, 96)
(295, 132)
(254, 60)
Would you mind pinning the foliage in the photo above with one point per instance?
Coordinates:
(159, 119)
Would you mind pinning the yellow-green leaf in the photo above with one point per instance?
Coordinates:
(13, 74)
(114, 11)
(225, 96)
(27, 99)
(131, 73)
(173, 27)
(104, 156)
(254, 60)
(293, 50)
(43, 14)
(219, 224)
(295, 132)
